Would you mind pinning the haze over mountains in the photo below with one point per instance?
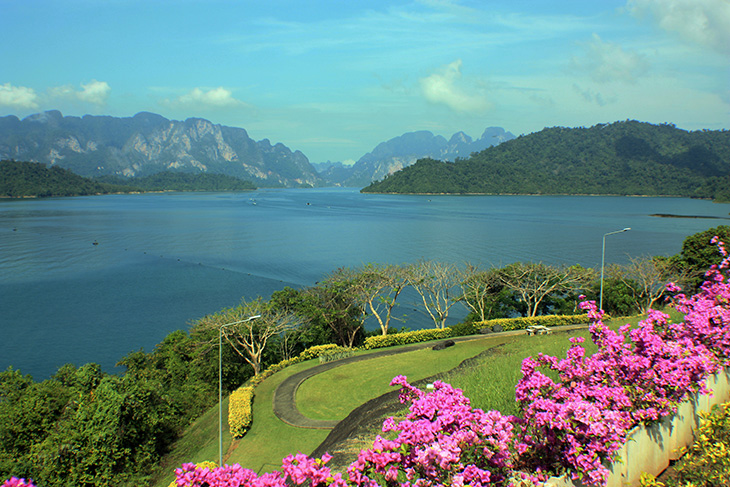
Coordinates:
(403, 151)
(147, 143)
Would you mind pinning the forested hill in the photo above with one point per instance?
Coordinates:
(33, 179)
(623, 158)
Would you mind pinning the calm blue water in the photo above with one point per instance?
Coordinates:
(164, 260)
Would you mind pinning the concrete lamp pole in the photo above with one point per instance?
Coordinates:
(220, 384)
(603, 260)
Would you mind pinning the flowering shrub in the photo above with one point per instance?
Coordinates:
(202, 465)
(16, 482)
(405, 338)
(442, 441)
(240, 411)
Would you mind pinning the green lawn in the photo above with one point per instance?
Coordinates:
(333, 394)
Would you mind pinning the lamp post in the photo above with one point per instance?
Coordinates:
(220, 384)
(603, 260)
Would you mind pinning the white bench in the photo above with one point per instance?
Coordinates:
(538, 330)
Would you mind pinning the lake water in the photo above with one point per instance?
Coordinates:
(89, 279)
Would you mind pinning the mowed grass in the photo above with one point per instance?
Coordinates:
(332, 395)
(270, 440)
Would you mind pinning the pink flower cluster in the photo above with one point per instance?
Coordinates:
(16, 482)
(442, 440)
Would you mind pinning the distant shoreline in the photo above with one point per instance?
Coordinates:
(670, 215)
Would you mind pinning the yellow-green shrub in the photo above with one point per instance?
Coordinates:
(240, 411)
(707, 461)
(522, 323)
(335, 354)
(316, 351)
(395, 339)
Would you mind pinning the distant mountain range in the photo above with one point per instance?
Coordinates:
(622, 158)
(403, 151)
(147, 144)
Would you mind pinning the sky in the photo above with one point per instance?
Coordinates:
(335, 78)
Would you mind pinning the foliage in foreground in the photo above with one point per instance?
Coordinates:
(571, 425)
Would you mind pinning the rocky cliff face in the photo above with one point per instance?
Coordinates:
(148, 143)
(399, 152)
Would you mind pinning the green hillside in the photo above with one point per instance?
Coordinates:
(623, 158)
(181, 181)
(32, 179)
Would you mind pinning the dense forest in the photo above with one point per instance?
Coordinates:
(31, 179)
(87, 428)
(623, 158)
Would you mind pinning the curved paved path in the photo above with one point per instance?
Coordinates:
(284, 401)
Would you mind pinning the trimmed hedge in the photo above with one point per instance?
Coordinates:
(522, 323)
(335, 354)
(240, 411)
(395, 339)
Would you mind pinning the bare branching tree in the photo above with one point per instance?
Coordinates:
(647, 277)
(379, 287)
(535, 281)
(249, 338)
(477, 287)
(438, 285)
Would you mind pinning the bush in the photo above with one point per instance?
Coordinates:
(316, 351)
(335, 354)
(464, 329)
(240, 411)
(522, 323)
(396, 339)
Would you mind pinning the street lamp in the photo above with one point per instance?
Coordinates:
(220, 384)
(603, 260)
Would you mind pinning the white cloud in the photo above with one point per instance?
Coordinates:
(94, 92)
(443, 88)
(606, 61)
(705, 22)
(18, 96)
(216, 98)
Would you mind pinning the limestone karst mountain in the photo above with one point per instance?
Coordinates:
(147, 144)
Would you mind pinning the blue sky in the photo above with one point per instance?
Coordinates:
(335, 78)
